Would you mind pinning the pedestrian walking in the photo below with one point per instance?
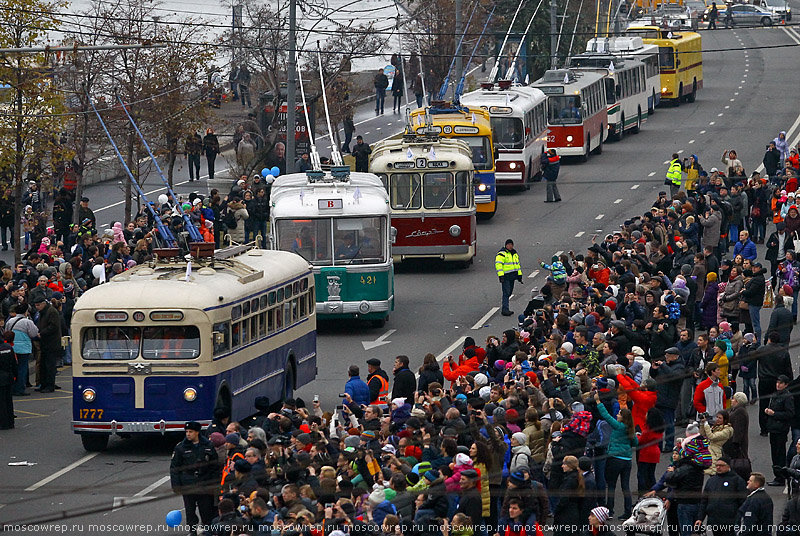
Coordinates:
(193, 148)
(381, 82)
(24, 331)
(419, 89)
(713, 14)
(49, 343)
(674, 175)
(194, 473)
(233, 78)
(8, 377)
(780, 414)
(397, 91)
(551, 165)
(506, 262)
(211, 148)
(773, 361)
(244, 78)
(361, 152)
(349, 129)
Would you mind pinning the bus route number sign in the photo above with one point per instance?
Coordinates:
(329, 204)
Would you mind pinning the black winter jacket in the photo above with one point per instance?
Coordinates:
(669, 380)
(722, 497)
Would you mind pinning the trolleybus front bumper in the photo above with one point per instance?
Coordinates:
(117, 427)
(359, 308)
(446, 253)
(509, 177)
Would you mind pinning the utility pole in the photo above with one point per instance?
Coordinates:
(553, 34)
(291, 87)
(458, 32)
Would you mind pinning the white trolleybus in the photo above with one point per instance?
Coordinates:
(519, 129)
(431, 194)
(632, 47)
(165, 343)
(626, 91)
(338, 221)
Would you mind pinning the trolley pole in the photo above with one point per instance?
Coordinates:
(459, 66)
(291, 87)
(553, 34)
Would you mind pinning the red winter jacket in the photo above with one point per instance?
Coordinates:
(642, 400)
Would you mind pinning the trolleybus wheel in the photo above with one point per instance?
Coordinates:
(677, 101)
(585, 156)
(693, 95)
(638, 126)
(621, 129)
(288, 381)
(94, 442)
(599, 148)
(652, 109)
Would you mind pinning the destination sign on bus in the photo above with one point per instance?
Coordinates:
(438, 164)
(500, 110)
(162, 316)
(119, 316)
(552, 90)
(329, 204)
(429, 130)
(404, 165)
(458, 129)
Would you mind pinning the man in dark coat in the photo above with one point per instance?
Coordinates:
(8, 375)
(377, 381)
(194, 474)
(780, 415)
(755, 516)
(722, 496)
(470, 503)
(781, 321)
(361, 152)
(773, 360)
(669, 375)
(405, 382)
(551, 165)
(753, 295)
(50, 343)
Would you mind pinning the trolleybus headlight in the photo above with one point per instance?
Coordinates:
(512, 165)
(363, 307)
(455, 230)
(569, 138)
(89, 395)
(190, 394)
(482, 187)
(663, 90)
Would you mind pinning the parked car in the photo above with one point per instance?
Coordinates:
(781, 8)
(749, 15)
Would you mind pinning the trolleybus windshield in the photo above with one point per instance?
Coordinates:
(481, 150)
(507, 132)
(338, 241)
(151, 342)
(440, 190)
(564, 110)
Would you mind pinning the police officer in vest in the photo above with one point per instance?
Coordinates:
(508, 270)
(378, 383)
(194, 473)
(674, 175)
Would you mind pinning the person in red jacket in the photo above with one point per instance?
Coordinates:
(644, 397)
(709, 396)
(469, 343)
(453, 371)
(649, 453)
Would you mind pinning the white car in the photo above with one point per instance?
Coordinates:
(780, 8)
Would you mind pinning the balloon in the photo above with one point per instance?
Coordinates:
(174, 518)
(162, 199)
(269, 178)
(265, 172)
(98, 271)
(275, 171)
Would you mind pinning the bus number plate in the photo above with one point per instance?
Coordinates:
(91, 414)
(438, 164)
(368, 280)
(551, 139)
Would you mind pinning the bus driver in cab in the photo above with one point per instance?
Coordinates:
(571, 110)
(347, 249)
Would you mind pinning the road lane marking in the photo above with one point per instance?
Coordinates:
(691, 142)
(378, 128)
(635, 186)
(155, 485)
(61, 472)
(651, 173)
(680, 151)
(479, 324)
(458, 342)
(618, 201)
(702, 132)
(600, 216)
(720, 114)
(558, 253)
(533, 274)
(728, 106)
(666, 162)
(712, 123)
(579, 234)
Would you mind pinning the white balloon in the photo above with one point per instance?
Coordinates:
(269, 179)
(98, 270)
(162, 199)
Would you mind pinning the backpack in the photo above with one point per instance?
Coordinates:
(229, 219)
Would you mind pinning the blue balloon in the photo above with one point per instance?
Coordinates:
(275, 171)
(265, 172)
(174, 518)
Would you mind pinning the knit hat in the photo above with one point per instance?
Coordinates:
(233, 439)
(463, 459)
(722, 345)
(512, 415)
(368, 435)
(431, 475)
(787, 290)
(637, 351)
(740, 397)
(601, 513)
(377, 496)
(562, 366)
(692, 429)
(481, 380)
(399, 401)
(352, 441)
(485, 392)
(521, 438)
(568, 347)
(750, 337)
(711, 277)
(584, 463)
(499, 364)
(724, 326)
(217, 439)
(517, 478)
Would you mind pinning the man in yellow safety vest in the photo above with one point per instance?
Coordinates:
(674, 175)
(508, 270)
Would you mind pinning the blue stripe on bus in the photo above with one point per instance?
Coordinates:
(259, 293)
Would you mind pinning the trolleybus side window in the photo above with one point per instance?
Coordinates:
(224, 344)
(271, 321)
(611, 96)
(438, 191)
(110, 343)
(666, 57)
(481, 150)
(405, 191)
(507, 132)
(308, 238)
(463, 189)
(171, 342)
(262, 324)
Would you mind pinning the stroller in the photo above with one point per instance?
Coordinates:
(649, 517)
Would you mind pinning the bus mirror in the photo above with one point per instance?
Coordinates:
(495, 154)
(219, 337)
(677, 62)
(392, 234)
(65, 340)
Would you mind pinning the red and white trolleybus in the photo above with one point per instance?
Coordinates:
(576, 111)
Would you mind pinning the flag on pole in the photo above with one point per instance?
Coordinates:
(527, 79)
(566, 78)
(302, 195)
(188, 271)
(433, 154)
(409, 154)
(611, 67)
(474, 119)
(357, 194)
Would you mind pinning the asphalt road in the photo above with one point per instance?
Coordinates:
(748, 97)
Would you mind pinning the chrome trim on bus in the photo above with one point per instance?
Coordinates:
(431, 250)
(501, 176)
(156, 373)
(100, 363)
(306, 358)
(256, 382)
(358, 268)
(342, 307)
(483, 198)
(116, 427)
